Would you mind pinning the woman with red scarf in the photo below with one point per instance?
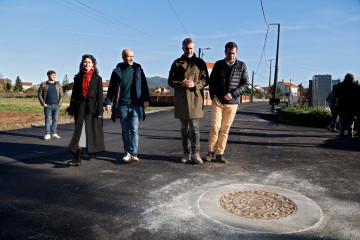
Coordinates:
(86, 105)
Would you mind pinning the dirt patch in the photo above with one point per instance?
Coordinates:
(10, 120)
(17, 119)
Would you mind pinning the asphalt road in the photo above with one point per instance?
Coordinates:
(157, 198)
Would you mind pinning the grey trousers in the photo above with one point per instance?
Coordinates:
(190, 133)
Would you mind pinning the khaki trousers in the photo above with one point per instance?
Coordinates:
(222, 117)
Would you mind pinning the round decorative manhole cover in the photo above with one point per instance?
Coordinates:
(258, 205)
(260, 208)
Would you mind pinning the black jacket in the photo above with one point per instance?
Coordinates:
(348, 94)
(237, 84)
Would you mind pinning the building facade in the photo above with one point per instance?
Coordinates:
(321, 86)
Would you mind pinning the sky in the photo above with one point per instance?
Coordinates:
(316, 37)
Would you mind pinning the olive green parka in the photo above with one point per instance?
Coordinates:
(189, 102)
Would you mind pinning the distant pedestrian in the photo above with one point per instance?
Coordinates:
(348, 93)
(86, 105)
(228, 80)
(129, 95)
(188, 76)
(50, 95)
(333, 101)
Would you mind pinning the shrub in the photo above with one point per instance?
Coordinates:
(310, 117)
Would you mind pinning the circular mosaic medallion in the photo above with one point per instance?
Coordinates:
(260, 208)
(258, 205)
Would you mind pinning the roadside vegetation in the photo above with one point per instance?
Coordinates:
(305, 116)
(24, 112)
(28, 105)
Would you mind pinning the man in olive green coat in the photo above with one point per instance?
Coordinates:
(188, 76)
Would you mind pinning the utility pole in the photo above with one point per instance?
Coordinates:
(200, 49)
(270, 71)
(274, 100)
(289, 94)
(252, 87)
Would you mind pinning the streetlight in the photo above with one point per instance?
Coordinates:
(274, 101)
(200, 49)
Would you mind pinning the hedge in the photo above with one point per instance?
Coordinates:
(310, 117)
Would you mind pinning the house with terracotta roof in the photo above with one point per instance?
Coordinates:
(258, 88)
(287, 87)
(210, 67)
(105, 86)
(27, 85)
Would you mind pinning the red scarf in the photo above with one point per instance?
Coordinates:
(86, 81)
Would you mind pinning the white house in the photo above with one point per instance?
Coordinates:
(287, 87)
(27, 85)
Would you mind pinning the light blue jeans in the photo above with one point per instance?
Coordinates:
(51, 112)
(129, 119)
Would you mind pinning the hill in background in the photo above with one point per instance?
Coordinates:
(157, 82)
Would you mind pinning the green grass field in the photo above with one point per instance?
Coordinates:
(33, 105)
(27, 105)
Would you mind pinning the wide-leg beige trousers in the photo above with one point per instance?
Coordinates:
(222, 117)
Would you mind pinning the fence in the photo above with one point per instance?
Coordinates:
(168, 100)
(18, 95)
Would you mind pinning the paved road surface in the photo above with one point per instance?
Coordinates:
(157, 198)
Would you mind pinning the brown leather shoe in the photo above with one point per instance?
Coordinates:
(220, 159)
(196, 158)
(185, 158)
(209, 156)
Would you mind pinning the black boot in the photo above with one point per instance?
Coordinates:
(220, 159)
(92, 156)
(77, 158)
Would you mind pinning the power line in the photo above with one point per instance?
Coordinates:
(262, 7)
(267, 31)
(103, 16)
(115, 19)
(178, 18)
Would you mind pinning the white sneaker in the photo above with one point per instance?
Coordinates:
(126, 157)
(47, 137)
(55, 136)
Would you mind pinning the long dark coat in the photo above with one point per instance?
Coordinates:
(88, 108)
(189, 102)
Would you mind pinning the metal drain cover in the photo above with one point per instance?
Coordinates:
(260, 208)
(258, 205)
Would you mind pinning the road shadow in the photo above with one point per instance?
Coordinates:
(264, 116)
(25, 132)
(36, 204)
(342, 143)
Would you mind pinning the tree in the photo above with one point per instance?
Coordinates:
(8, 86)
(278, 91)
(18, 85)
(31, 90)
(4, 83)
(65, 80)
(67, 87)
